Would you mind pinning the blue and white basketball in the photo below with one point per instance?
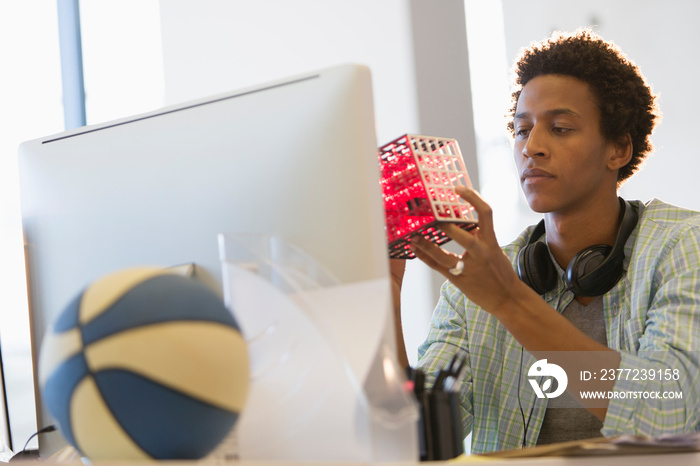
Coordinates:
(145, 364)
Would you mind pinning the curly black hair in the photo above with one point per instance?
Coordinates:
(626, 102)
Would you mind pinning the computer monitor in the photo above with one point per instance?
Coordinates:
(5, 433)
(295, 158)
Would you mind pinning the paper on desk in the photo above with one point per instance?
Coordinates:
(621, 445)
(691, 440)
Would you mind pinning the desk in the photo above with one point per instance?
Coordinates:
(675, 459)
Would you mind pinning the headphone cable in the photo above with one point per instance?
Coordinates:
(520, 375)
(520, 405)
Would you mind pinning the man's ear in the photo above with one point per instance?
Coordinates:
(621, 153)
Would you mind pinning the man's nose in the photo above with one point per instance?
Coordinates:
(536, 143)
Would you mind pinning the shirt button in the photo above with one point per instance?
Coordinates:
(614, 310)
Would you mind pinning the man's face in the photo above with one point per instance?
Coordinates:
(561, 156)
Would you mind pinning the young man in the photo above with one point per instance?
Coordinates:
(603, 287)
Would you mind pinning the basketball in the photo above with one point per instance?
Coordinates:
(144, 364)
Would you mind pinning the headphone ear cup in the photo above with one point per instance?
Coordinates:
(535, 268)
(584, 277)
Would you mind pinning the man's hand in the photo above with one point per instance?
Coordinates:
(488, 277)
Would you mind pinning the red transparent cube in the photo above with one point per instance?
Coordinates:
(418, 177)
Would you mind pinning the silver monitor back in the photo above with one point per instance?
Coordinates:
(295, 158)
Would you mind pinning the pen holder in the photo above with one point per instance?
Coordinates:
(439, 427)
(445, 428)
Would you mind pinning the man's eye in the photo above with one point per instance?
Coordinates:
(560, 129)
(522, 132)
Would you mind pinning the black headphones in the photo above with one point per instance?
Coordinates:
(591, 272)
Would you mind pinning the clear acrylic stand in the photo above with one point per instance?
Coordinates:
(325, 384)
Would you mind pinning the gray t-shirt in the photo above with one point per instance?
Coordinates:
(564, 419)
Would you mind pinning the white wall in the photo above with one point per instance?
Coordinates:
(215, 46)
(122, 58)
(663, 39)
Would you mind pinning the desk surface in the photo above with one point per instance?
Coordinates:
(675, 459)
(649, 459)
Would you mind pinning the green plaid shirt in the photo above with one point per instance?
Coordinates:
(652, 316)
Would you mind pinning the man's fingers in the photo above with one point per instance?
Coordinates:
(433, 256)
(482, 208)
(464, 238)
